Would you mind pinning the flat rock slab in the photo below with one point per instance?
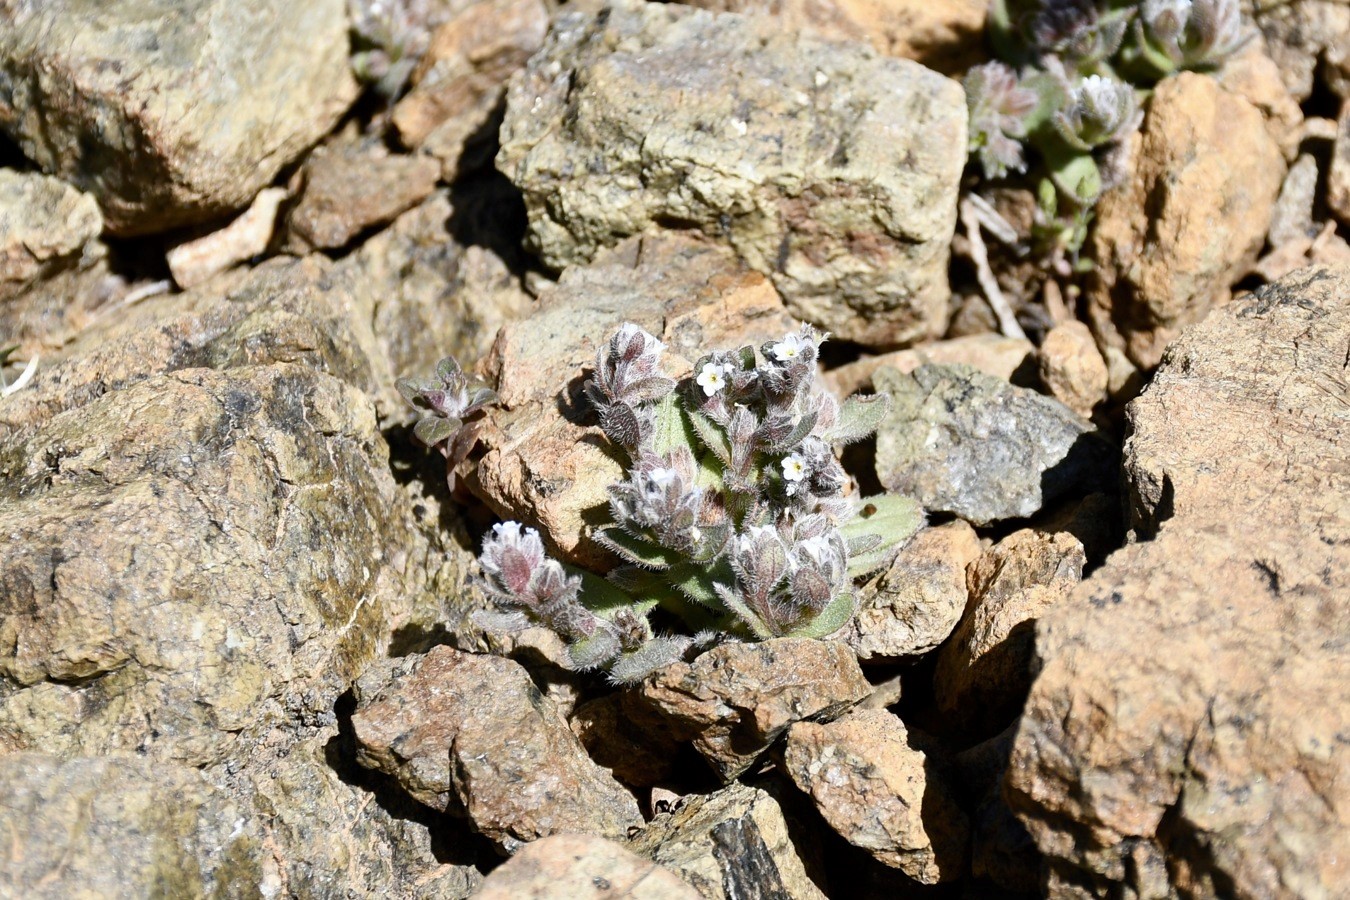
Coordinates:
(960, 441)
(735, 700)
(829, 168)
(729, 844)
(171, 112)
(1185, 734)
(469, 733)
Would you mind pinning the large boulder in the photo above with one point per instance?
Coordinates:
(828, 168)
(167, 111)
(1186, 733)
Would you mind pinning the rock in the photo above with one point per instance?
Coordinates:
(1187, 221)
(737, 699)
(459, 84)
(1254, 76)
(944, 36)
(1298, 34)
(192, 555)
(581, 866)
(828, 168)
(729, 844)
(636, 756)
(984, 671)
(1293, 216)
(993, 354)
(46, 226)
(197, 261)
(915, 604)
(53, 269)
(460, 731)
(1338, 176)
(429, 295)
(351, 186)
(123, 826)
(224, 95)
(1184, 734)
(1071, 368)
(1001, 848)
(1096, 521)
(878, 791)
(963, 442)
(541, 464)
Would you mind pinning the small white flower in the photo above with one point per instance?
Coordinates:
(662, 477)
(794, 467)
(712, 378)
(788, 348)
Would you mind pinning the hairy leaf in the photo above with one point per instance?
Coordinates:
(892, 518)
(859, 416)
(835, 616)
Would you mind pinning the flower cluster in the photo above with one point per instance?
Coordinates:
(452, 402)
(1069, 79)
(733, 516)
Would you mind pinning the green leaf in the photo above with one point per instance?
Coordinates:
(893, 518)
(652, 589)
(604, 598)
(434, 429)
(635, 549)
(596, 650)
(859, 416)
(671, 430)
(710, 434)
(1076, 174)
(698, 582)
(834, 616)
(734, 603)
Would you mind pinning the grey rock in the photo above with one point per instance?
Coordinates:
(827, 167)
(912, 607)
(728, 844)
(735, 700)
(469, 733)
(963, 442)
(170, 112)
(1185, 732)
(880, 793)
(582, 867)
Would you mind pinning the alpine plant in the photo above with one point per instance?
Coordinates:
(733, 516)
(1071, 75)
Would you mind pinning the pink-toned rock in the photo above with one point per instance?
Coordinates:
(879, 792)
(473, 733)
(581, 867)
(914, 605)
(352, 185)
(1071, 367)
(944, 36)
(542, 464)
(197, 261)
(735, 700)
(461, 79)
(1187, 221)
(639, 757)
(984, 671)
(1185, 735)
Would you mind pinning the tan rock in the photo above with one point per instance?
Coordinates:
(197, 261)
(461, 80)
(992, 354)
(172, 119)
(1297, 35)
(1001, 848)
(637, 756)
(541, 464)
(350, 186)
(947, 36)
(915, 604)
(731, 843)
(581, 867)
(1183, 736)
(1071, 368)
(1338, 176)
(984, 671)
(473, 733)
(1254, 76)
(878, 790)
(735, 700)
(1187, 221)
(45, 226)
(652, 114)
